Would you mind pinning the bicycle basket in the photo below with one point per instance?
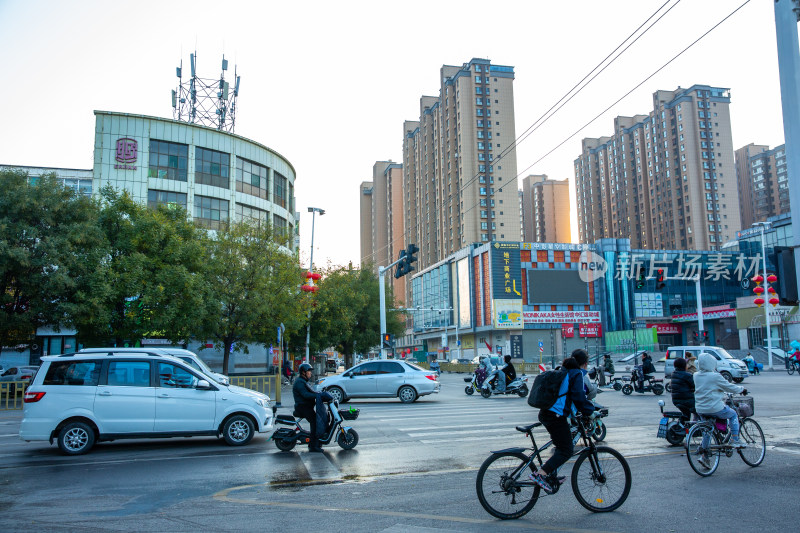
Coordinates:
(743, 405)
(350, 414)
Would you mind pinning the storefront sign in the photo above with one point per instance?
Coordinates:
(567, 331)
(590, 330)
(667, 329)
(516, 346)
(127, 153)
(707, 315)
(506, 272)
(560, 317)
(507, 314)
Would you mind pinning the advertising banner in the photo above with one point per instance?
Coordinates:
(567, 331)
(590, 330)
(666, 329)
(622, 341)
(560, 317)
(506, 272)
(507, 314)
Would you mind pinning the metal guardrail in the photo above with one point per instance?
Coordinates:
(11, 393)
(269, 384)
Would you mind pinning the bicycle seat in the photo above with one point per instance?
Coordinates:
(527, 429)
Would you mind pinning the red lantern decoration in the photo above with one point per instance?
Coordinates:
(772, 278)
(771, 290)
(307, 288)
(316, 276)
(759, 301)
(757, 280)
(774, 301)
(308, 275)
(759, 290)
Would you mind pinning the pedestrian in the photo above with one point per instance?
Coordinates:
(690, 364)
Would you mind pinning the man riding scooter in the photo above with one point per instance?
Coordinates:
(305, 398)
(505, 374)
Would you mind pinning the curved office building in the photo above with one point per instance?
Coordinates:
(216, 176)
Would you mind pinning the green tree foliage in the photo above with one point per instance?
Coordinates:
(347, 313)
(254, 283)
(49, 246)
(153, 274)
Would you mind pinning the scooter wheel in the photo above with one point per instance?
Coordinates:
(469, 390)
(285, 445)
(675, 434)
(486, 393)
(658, 389)
(617, 385)
(348, 439)
(523, 391)
(668, 386)
(627, 389)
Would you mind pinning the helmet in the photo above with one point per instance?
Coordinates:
(304, 367)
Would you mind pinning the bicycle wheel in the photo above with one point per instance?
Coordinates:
(601, 479)
(750, 432)
(790, 368)
(703, 461)
(500, 486)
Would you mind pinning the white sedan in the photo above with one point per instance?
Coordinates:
(381, 379)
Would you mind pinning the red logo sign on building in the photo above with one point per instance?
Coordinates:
(567, 330)
(127, 153)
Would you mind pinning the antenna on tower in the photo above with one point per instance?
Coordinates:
(204, 101)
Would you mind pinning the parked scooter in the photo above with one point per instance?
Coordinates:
(519, 386)
(650, 383)
(345, 436)
(673, 426)
(598, 429)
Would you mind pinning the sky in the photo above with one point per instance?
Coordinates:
(329, 84)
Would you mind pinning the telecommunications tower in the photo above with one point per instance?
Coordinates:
(205, 101)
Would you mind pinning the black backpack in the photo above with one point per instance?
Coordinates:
(544, 391)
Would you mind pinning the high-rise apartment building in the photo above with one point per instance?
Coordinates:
(545, 210)
(382, 219)
(763, 182)
(459, 162)
(666, 180)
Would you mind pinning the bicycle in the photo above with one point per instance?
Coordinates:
(792, 365)
(601, 477)
(717, 437)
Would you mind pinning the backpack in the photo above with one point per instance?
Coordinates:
(544, 391)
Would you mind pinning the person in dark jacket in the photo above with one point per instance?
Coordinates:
(509, 371)
(305, 398)
(647, 369)
(572, 398)
(682, 388)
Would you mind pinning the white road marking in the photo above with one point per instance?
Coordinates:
(319, 466)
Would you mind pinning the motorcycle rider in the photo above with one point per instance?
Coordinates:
(710, 387)
(646, 370)
(589, 387)
(508, 374)
(556, 423)
(682, 388)
(305, 397)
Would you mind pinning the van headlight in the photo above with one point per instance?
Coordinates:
(262, 402)
(733, 365)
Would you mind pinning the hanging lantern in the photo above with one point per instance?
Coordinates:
(772, 278)
(759, 301)
(759, 290)
(757, 280)
(307, 288)
(771, 291)
(309, 275)
(774, 301)
(316, 276)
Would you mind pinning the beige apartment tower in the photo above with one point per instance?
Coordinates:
(763, 182)
(545, 210)
(459, 162)
(667, 179)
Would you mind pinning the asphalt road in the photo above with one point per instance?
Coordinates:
(414, 468)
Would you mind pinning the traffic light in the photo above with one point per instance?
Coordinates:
(660, 279)
(386, 341)
(787, 280)
(400, 269)
(640, 277)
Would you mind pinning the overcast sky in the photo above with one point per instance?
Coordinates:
(329, 84)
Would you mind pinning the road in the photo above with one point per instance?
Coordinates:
(414, 467)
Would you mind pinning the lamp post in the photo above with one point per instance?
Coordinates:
(763, 226)
(313, 211)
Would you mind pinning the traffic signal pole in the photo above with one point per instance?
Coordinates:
(382, 291)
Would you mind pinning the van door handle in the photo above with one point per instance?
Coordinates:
(163, 395)
(104, 393)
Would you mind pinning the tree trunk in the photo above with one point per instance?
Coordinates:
(226, 355)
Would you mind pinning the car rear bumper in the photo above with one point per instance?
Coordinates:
(35, 429)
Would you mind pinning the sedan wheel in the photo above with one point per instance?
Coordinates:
(727, 376)
(238, 430)
(337, 394)
(407, 394)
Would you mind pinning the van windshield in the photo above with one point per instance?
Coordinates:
(724, 354)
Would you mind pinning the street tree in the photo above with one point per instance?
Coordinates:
(153, 274)
(49, 246)
(254, 282)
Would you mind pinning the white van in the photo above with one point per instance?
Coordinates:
(731, 368)
(79, 399)
(190, 358)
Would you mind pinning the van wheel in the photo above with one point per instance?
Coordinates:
(238, 430)
(727, 376)
(76, 438)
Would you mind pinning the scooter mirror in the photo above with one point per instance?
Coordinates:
(661, 403)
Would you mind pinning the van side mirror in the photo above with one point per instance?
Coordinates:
(203, 385)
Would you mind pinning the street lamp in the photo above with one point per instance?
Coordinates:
(313, 211)
(764, 226)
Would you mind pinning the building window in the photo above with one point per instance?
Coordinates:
(168, 161)
(280, 190)
(279, 224)
(167, 198)
(210, 212)
(252, 178)
(245, 213)
(212, 168)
